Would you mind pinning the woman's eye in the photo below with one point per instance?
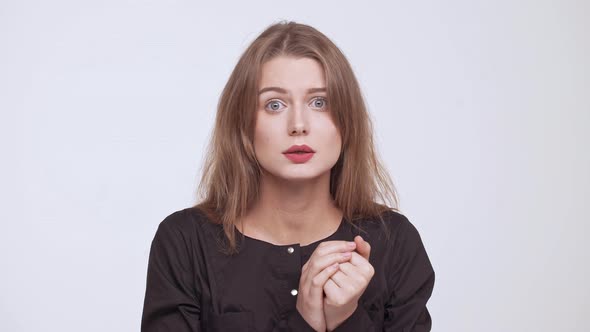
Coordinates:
(319, 102)
(273, 105)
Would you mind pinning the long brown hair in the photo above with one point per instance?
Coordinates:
(231, 174)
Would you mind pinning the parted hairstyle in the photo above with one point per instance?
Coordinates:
(231, 173)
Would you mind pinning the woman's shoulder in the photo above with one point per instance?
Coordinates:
(390, 226)
(399, 222)
(189, 220)
(393, 220)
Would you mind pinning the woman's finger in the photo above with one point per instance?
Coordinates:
(329, 247)
(362, 247)
(351, 275)
(362, 264)
(340, 278)
(330, 287)
(317, 282)
(320, 263)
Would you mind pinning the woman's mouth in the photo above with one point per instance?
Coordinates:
(299, 153)
(299, 157)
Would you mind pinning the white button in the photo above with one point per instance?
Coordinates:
(293, 292)
(290, 250)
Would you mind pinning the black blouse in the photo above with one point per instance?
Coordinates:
(192, 286)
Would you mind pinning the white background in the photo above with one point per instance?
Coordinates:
(481, 112)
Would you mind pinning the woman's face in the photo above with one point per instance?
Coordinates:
(293, 110)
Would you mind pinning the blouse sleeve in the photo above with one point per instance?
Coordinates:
(171, 302)
(411, 280)
(293, 322)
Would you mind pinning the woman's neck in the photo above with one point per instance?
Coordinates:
(292, 212)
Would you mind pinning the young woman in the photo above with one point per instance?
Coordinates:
(288, 235)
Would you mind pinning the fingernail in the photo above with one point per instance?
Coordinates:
(351, 244)
(346, 254)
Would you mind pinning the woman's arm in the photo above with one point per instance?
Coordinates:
(171, 300)
(411, 280)
(293, 322)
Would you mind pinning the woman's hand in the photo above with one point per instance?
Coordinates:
(344, 288)
(322, 264)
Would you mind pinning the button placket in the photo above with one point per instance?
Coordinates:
(297, 263)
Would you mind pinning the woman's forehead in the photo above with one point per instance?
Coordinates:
(295, 75)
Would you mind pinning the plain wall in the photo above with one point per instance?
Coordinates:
(481, 112)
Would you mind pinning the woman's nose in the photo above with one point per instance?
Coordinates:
(298, 119)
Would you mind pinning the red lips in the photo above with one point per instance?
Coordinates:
(299, 154)
(299, 148)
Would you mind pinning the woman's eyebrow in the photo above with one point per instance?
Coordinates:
(283, 91)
